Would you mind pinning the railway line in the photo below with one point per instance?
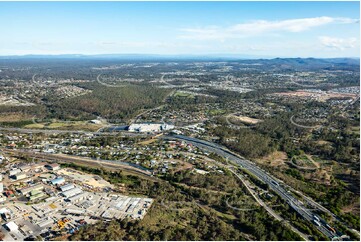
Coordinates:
(130, 167)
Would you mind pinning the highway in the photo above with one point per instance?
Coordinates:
(273, 183)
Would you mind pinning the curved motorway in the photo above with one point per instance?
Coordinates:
(272, 182)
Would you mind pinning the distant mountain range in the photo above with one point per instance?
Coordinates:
(136, 56)
(148, 57)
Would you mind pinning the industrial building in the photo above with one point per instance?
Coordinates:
(74, 211)
(58, 181)
(11, 226)
(25, 168)
(13, 172)
(150, 127)
(72, 192)
(77, 198)
(20, 176)
(36, 195)
(45, 223)
(27, 190)
(26, 230)
(52, 167)
(67, 187)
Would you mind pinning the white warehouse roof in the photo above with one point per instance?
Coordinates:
(12, 226)
(77, 197)
(74, 211)
(67, 187)
(149, 127)
(46, 223)
(58, 180)
(72, 192)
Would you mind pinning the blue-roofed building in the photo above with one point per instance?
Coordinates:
(58, 181)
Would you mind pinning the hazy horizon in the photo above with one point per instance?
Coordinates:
(265, 29)
(140, 55)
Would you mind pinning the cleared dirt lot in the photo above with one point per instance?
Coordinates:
(276, 158)
(85, 178)
(320, 96)
(245, 119)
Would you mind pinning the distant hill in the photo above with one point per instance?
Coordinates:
(216, 57)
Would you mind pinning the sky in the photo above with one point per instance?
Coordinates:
(263, 29)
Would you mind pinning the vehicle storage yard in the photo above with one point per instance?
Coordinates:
(47, 201)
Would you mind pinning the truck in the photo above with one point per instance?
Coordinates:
(330, 228)
(316, 222)
(316, 218)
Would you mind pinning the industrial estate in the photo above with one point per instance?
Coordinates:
(43, 197)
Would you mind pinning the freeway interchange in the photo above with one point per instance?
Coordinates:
(273, 183)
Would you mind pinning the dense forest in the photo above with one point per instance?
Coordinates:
(109, 102)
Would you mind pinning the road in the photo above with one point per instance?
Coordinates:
(108, 85)
(273, 183)
(267, 208)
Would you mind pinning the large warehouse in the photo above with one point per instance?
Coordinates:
(150, 127)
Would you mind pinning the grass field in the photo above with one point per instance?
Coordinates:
(303, 161)
(355, 130)
(215, 112)
(14, 117)
(183, 94)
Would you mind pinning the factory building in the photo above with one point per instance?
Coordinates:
(36, 195)
(45, 223)
(27, 190)
(25, 230)
(13, 172)
(52, 167)
(39, 166)
(72, 192)
(11, 226)
(25, 168)
(19, 176)
(67, 187)
(74, 211)
(77, 197)
(58, 181)
(150, 127)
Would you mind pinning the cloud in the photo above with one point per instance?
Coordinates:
(338, 43)
(259, 27)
